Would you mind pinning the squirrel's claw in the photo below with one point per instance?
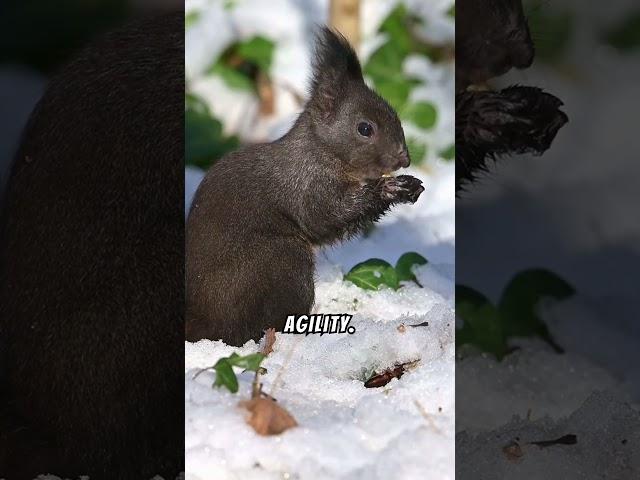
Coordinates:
(402, 189)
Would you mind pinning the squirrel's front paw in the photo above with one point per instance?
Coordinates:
(402, 189)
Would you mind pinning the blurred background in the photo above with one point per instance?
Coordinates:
(574, 209)
(247, 68)
(572, 212)
(37, 37)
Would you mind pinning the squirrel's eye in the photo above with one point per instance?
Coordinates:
(365, 129)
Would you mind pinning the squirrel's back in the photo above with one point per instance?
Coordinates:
(92, 264)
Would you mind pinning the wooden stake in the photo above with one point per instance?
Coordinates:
(344, 16)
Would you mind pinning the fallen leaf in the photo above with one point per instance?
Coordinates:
(513, 452)
(381, 379)
(269, 340)
(267, 417)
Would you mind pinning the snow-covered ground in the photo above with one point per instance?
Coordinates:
(402, 431)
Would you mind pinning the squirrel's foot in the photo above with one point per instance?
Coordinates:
(402, 189)
(514, 120)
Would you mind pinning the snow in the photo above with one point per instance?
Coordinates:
(404, 430)
(607, 440)
(346, 430)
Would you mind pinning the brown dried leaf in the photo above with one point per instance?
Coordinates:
(513, 451)
(269, 340)
(267, 417)
(381, 379)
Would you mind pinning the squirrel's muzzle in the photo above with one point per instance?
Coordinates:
(403, 159)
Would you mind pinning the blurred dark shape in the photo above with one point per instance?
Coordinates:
(514, 120)
(573, 212)
(45, 34)
(492, 37)
(91, 265)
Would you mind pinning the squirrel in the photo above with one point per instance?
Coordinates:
(260, 212)
(492, 37)
(92, 266)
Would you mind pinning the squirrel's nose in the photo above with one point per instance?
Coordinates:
(404, 159)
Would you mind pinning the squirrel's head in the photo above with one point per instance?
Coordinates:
(352, 121)
(493, 38)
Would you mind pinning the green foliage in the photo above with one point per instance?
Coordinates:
(552, 31)
(417, 149)
(448, 153)
(230, 4)
(204, 139)
(482, 322)
(625, 36)
(422, 114)
(233, 77)
(522, 294)
(489, 327)
(452, 11)
(258, 50)
(226, 377)
(191, 18)
(384, 68)
(405, 264)
(242, 62)
(373, 273)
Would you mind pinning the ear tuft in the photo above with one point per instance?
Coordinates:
(335, 63)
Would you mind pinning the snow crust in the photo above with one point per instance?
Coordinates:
(401, 431)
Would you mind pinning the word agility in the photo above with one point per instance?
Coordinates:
(319, 323)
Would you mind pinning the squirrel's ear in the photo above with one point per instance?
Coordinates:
(335, 64)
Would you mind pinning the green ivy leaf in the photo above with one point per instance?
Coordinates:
(258, 50)
(395, 26)
(405, 264)
(249, 55)
(482, 324)
(230, 4)
(626, 35)
(417, 150)
(448, 153)
(225, 376)
(385, 62)
(204, 138)
(394, 90)
(248, 362)
(232, 77)
(373, 273)
(553, 29)
(421, 114)
(521, 297)
(191, 18)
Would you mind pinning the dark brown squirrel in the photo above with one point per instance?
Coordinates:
(492, 37)
(92, 267)
(260, 211)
